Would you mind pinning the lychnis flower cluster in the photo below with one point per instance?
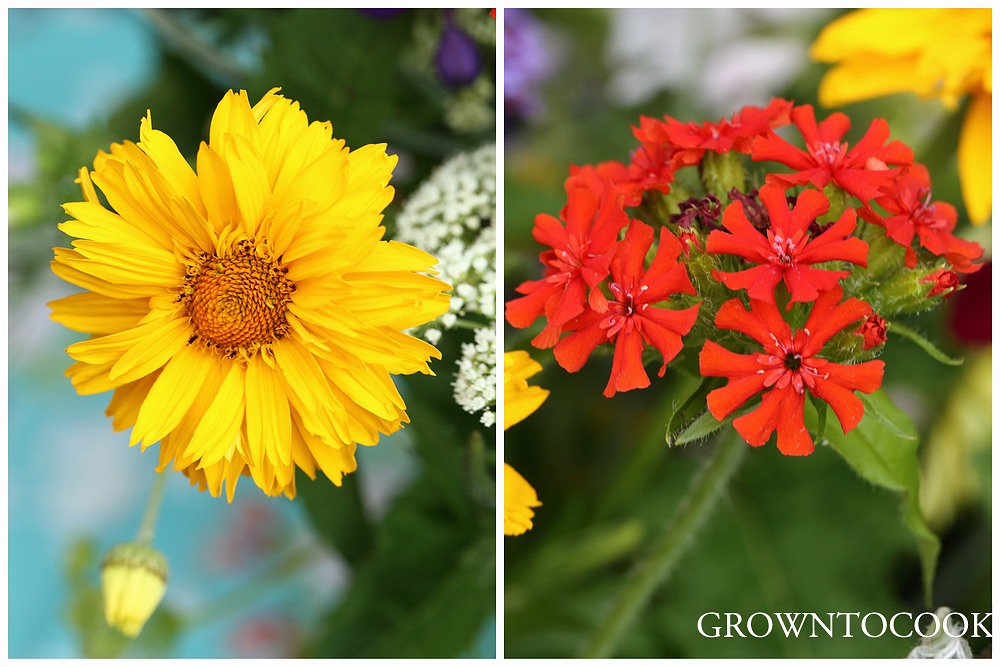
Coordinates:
(784, 284)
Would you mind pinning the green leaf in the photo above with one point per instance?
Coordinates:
(821, 412)
(691, 410)
(702, 427)
(883, 450)
(888, 415)
(924, 344)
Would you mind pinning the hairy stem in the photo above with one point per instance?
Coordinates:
(654, 570)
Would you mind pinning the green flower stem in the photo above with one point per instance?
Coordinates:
(196, 50)
(148, 525)
(469, 324)
(650, 573)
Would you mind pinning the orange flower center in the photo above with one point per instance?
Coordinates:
(237, 302)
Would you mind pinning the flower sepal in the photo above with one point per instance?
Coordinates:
(722, 172)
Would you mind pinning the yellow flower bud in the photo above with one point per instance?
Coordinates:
(133, 580)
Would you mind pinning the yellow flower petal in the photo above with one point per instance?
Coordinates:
(94, 313)
(268, 418)
(520, 399)
(518, 500)
(173, 393)
(975, 159)
(220, 426)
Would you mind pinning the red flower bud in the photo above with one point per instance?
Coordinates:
(873, 330)
(945, 282)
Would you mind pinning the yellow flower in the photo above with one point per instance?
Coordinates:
(519, 401)
(133, 580)
(944, 53)
(518, 499)
(248, 315)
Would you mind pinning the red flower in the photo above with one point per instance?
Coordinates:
(861, 171)
(787, 251)
(493, 13)
(912, 213)
(873, 331)
(581, 253)
(737, 134)
(651, 166)
(631, 320)
(624, 179)
(945, 282)
(788, 367)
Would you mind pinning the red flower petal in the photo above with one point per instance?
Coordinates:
(717, 361)
(828, 317)
(724, 400)
(793, 437)
(573, 351)
(866, 377)
(626, 369)
(762, 322)
(758, 281)
(805, 283)
(836, 243)
(757, 426)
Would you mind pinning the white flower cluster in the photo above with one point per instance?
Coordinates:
(452, 215)
(475, 385)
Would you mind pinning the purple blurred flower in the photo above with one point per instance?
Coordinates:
(458, 61)
(527, 62)
(380, 13)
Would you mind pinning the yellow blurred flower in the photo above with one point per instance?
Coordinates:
(133, 580)
(247, 315)
(943, 53)
(519, 400)
(519, 498)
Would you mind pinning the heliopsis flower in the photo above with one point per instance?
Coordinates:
(912, 213)
(632, 319)
(944, 53)
(520, 400)
(247, 315)
(789, 366)
(579, 260)
(861, 171)
(787, 252)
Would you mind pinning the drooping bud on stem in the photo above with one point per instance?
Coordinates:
(133, 581)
